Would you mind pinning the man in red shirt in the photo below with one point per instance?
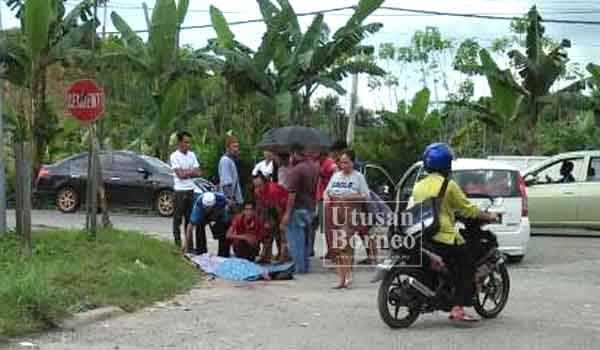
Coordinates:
(271, 200)
(246, 232)
(327, 166)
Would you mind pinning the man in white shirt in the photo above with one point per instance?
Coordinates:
(265, 167)
(185, 167)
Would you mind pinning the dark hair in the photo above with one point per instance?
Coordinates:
(182, 134)
(297, 148)
(339, 145)
(350, 153)
(284, 158)
(248, 202)
(260, 175)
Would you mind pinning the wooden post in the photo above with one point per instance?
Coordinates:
(18, 147)
(27, 184)
(92, 184)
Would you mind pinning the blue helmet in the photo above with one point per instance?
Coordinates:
(438, 157)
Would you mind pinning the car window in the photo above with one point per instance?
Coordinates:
(77, 165)
(487, 183)
(125, 162)
(593, 173)
(564, 171)
(409, 183)
(106, 161)
(158, 164)
(378, 181)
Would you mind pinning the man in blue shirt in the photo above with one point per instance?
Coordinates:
(210, 208)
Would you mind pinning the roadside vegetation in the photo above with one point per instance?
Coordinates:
(70, 274)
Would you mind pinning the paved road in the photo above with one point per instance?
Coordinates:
(553, 305)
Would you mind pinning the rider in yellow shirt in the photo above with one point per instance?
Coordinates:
(448, 242)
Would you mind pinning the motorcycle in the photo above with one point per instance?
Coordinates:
(418, 281)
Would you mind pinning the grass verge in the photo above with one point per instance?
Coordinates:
(70, 273)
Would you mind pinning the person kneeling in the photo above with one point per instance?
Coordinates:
(246, 232)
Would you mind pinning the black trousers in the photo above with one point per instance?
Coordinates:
(461, 261)
(245, 250)
(219, 232)
(184, 202)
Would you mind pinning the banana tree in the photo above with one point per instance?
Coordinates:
(521, 103)
(539, 71)
(288, 60)
(159, 60)
(48, 35)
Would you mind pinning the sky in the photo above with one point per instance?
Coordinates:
(398, 26)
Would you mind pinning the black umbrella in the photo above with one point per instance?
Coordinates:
(280, 139)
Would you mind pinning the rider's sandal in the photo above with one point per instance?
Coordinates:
(464, 319)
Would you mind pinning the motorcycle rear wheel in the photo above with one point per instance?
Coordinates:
(496, 288)
(394, 293)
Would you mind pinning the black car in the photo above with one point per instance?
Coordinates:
(130, 180)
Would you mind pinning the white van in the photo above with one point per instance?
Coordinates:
(519, 162)
(481, 180)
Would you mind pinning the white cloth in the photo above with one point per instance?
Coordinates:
(342, 184)
(265, 167)
(182, 161)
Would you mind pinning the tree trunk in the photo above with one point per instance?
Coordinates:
(23, 212)
(528, 131)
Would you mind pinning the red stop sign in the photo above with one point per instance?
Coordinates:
(85, 100)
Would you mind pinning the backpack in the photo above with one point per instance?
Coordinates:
(423, 218)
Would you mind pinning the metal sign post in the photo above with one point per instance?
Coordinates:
(85, 101)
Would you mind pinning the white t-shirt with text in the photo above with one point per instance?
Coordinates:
(342, 184)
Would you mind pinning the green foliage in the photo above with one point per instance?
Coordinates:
(125, 269)
(299, 60)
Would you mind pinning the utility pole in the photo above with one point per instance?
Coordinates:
(352, 114)
(2, 155)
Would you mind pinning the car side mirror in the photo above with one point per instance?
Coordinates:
(530, 180)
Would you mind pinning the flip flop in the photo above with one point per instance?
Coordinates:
(464, 321)
(340, 286)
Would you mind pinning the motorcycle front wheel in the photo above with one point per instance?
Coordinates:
(493, 296)
(397, 302)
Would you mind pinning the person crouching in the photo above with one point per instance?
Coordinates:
(246, 232)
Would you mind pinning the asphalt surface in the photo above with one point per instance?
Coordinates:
(553, 304)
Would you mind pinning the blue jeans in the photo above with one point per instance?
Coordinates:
(296, 237)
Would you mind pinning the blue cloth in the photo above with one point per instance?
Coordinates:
(236, 269)
(199, 212)
(228, 176)
(296, 237)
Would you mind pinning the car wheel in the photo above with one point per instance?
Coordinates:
(165, 203)
(67, 200)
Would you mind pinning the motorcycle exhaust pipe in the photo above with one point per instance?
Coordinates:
(423, 289)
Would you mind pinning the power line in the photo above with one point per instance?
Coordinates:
(481, 16)
(203, 26)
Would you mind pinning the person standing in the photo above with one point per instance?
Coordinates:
(345, 195)
(229, 180)
(302, 182)
(266, 166)
(327, 167)
(185, 167)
